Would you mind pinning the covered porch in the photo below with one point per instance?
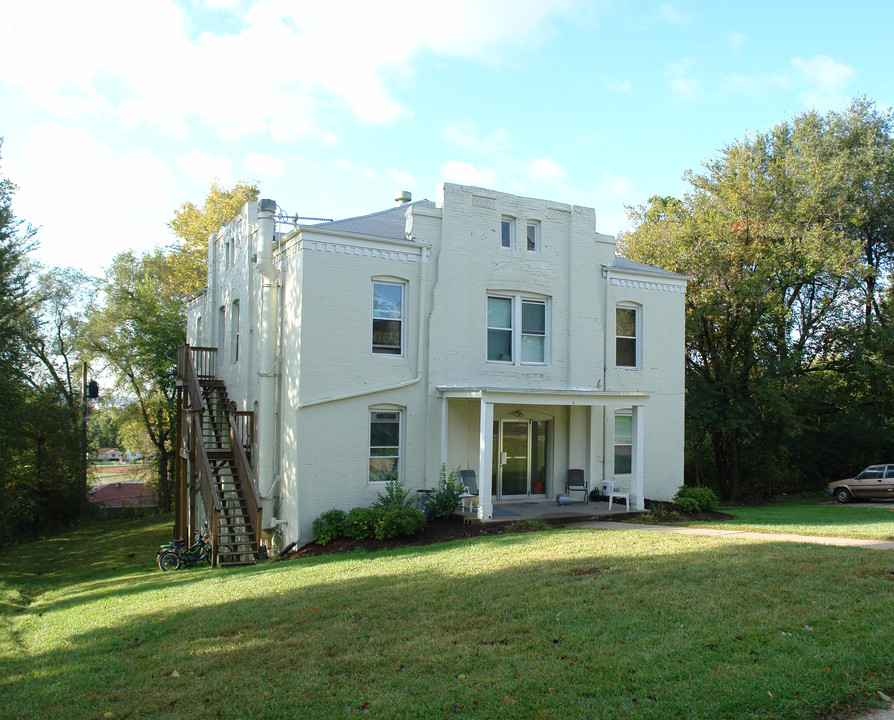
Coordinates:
(548, 511)
(522, 442)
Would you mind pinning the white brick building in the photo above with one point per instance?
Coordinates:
(484, 330)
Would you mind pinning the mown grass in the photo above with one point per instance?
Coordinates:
(812, 516)
(554, 624)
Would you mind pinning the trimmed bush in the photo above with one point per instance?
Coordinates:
(696, 499)
(361, 522)
(399, 521)
(396, 496)
(446, 496)
(329, 526)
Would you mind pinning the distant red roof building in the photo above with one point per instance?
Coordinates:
(123, 494)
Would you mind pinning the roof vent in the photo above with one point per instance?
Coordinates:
(402, 197)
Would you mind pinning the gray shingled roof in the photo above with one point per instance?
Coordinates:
(390, 223)
(624, 264)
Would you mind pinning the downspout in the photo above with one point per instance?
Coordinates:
(267, 369)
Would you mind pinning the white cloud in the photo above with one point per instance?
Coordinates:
(468, 136)
(827, 79)
(201, 166)
(403, 180)
(672, 15)
(117, 204)
(264, 165)
(467, 174)
(683, 84)
(287, 67)
(545, 170)
(612, 193)
(736, 41)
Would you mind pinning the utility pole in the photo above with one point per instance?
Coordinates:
(84, 445)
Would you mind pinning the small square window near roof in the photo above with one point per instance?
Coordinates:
(507, 232)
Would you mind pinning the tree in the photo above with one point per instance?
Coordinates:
(776, 235)
(136, 328)
(194, 225)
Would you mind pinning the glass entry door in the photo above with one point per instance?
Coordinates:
(519, 468)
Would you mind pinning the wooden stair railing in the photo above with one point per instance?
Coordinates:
(219, 440)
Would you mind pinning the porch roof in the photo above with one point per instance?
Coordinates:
(544, 396)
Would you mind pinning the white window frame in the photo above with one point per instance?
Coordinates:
(402, 284)
(532, 229)
(517, 330)
(234, 330)
(221, 334)
(616, 444)
(398, 469)
(507, 222)
(637, 337)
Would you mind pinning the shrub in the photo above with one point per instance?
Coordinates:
(327, 527)
(696, 499)
(399, 521)
(527, 524)
(361, 522)
(446, 496)
(396, 496)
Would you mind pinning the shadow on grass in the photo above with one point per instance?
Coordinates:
(560, 624)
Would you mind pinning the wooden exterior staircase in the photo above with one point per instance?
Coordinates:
(214, 483)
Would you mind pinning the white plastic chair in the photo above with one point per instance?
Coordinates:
(609, 491)
(470, 489)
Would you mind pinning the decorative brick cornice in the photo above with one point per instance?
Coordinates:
(358, 250)
(643, 284)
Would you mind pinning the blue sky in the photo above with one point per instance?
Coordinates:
(113, 114)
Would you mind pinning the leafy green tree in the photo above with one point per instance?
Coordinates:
(136, 328)
(193, 226)
(777, 239)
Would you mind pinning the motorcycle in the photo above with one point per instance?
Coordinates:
(175, 554)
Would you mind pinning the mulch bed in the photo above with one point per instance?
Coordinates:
(442, 530)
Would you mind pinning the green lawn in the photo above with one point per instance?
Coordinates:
(556, 624)
(812, 516)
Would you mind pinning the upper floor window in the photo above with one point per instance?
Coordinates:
(628, 322)
(533, 236)
(507, 233)
(221, 333)
(388, 318)
(517, 329)
(234, 336)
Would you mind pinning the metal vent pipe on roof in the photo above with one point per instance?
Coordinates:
(402, 197)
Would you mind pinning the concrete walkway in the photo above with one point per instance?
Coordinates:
(777, 537)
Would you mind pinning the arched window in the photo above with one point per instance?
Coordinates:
(628, 335)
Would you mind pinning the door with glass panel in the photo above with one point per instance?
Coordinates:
(519, 462)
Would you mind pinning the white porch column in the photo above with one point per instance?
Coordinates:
(594, 475)
(636, 480)
(485, 460)
(443, 438)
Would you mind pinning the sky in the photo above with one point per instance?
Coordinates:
(113, 114)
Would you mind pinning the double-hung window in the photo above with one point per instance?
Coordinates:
(384, 445)
(533, 236)
(507, 232)
(628, 320)
(388, 318)
(623, 443)
(517, 329)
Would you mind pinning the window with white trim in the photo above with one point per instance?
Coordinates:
(507, 232)
(234, 335)
(628, 322)
(384, 445)
(517, 329)
(623, 442)
(533, 236)
(388, 318)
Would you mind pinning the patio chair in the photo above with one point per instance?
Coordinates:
(470, 489)
(611, 493)
(576, 482)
